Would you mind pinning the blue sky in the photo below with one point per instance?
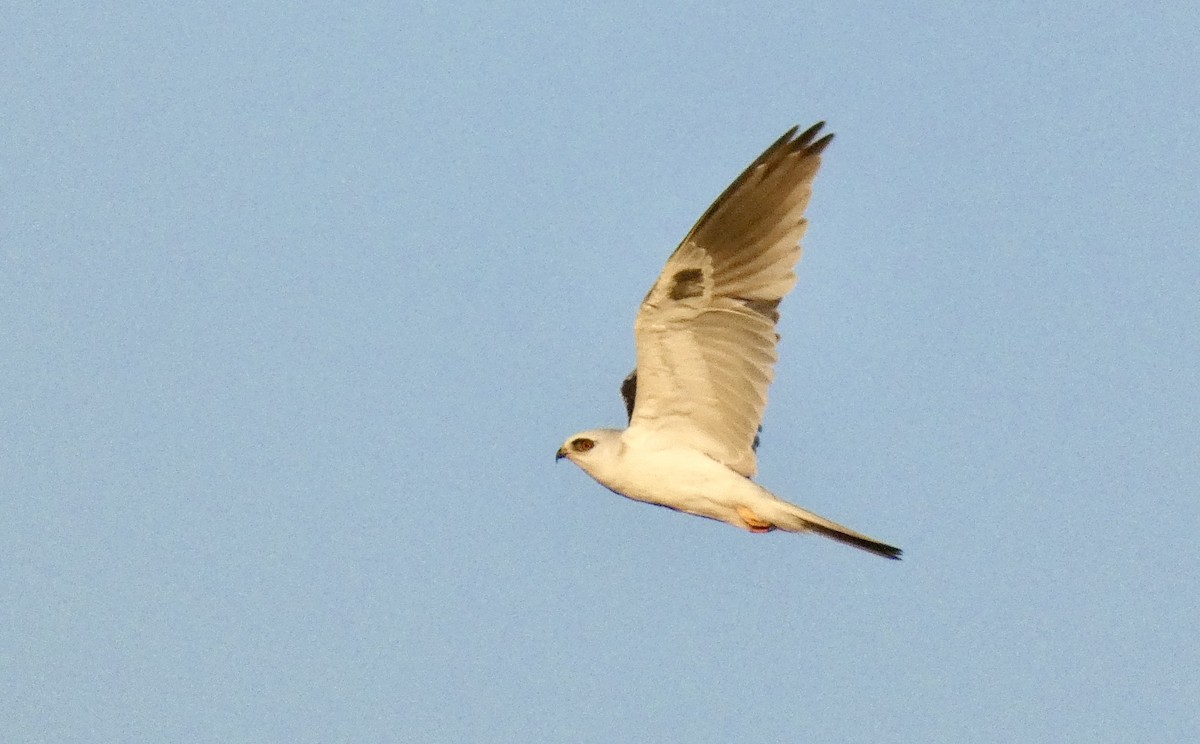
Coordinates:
(297, 302)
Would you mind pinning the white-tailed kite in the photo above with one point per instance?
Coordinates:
(706, 355)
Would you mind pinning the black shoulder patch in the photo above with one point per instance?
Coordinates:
(629, 392)
(687, 283)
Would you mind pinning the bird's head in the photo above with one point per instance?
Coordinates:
(589, 448)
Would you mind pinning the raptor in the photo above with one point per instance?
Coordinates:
(706, 353)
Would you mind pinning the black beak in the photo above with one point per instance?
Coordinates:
(562, 452)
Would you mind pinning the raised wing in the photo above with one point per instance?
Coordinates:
(706, 330)
(629, 395)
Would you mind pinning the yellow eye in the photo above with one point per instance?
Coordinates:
(582, 444)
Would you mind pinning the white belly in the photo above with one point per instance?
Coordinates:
(680, 478)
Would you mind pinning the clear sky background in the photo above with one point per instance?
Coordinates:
(297, 302)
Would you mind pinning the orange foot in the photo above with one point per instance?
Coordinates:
(753, 521)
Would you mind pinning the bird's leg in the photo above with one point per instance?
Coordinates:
(754, 522)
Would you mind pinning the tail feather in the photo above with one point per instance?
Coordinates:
(858, 541)
(794, 519)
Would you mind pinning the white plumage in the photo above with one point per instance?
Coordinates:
(706, 355)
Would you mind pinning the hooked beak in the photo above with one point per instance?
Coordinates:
(562, 452)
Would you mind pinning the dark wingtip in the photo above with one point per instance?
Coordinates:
(806, 139)
(808, 135)
(819, 146)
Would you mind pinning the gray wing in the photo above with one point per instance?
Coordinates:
(706, 330)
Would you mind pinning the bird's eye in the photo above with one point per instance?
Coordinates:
(582, 444)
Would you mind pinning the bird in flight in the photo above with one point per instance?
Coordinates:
(706, 355)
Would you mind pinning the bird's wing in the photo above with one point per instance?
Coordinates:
(629, 395)
(706, 330)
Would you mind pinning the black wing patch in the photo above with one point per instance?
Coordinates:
(629, 394)
(686, 284)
